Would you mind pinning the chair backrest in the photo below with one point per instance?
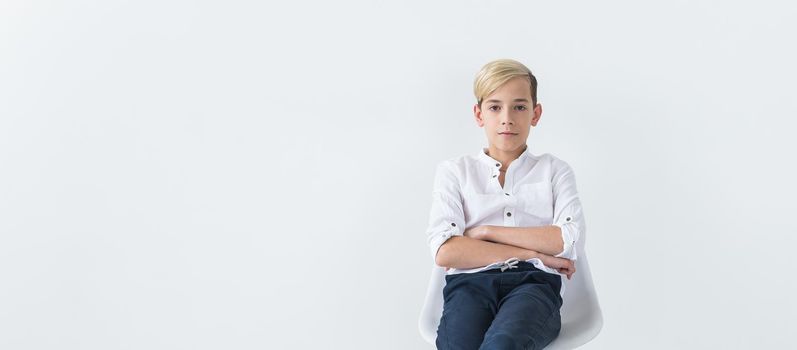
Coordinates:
(582, 318)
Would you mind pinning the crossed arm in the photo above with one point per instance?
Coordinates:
(483, 245)
(543, 239)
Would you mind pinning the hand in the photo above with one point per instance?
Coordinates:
(478, 232)
(565, 266)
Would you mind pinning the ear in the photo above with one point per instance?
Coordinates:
(477, 114)
(537, 114)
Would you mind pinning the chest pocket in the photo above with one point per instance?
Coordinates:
(537, 199)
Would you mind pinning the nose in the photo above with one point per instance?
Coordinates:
(504, 117)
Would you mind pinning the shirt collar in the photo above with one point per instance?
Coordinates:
(490, 161)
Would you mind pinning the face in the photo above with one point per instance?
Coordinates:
(507, 115)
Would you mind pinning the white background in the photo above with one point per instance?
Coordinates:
(249, 175)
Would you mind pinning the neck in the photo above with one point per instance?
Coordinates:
(505, 157)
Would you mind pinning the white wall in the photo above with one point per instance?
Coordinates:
(197, 175)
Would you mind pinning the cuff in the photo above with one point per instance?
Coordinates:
(451, 229)
(568, 237)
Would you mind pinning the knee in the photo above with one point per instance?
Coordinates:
(502, 341)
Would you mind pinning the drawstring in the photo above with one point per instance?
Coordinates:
(509, 264)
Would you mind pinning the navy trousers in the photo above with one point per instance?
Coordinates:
(513, 309)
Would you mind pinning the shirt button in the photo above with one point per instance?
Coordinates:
(495, 175)
(498, 165)
(453, 224)
(508, 214)
(506, 193)
(568, 218)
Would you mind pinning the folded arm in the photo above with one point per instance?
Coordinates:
(543, 239)
(462, 252)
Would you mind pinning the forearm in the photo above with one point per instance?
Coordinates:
(465, 252)
(543, 239)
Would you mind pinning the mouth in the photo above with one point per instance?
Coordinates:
(506, 133)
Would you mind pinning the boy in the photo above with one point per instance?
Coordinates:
(504, 223)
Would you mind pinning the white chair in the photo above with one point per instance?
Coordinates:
(582, 318)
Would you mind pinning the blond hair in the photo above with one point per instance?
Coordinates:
(496, 73)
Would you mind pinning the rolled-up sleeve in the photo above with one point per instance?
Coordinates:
(568, 213)
(446, 217)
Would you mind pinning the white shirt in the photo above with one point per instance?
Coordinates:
(538, 191)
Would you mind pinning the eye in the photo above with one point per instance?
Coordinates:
(492, 108)
(522, 108)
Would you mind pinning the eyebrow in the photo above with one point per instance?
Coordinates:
(516, 100)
